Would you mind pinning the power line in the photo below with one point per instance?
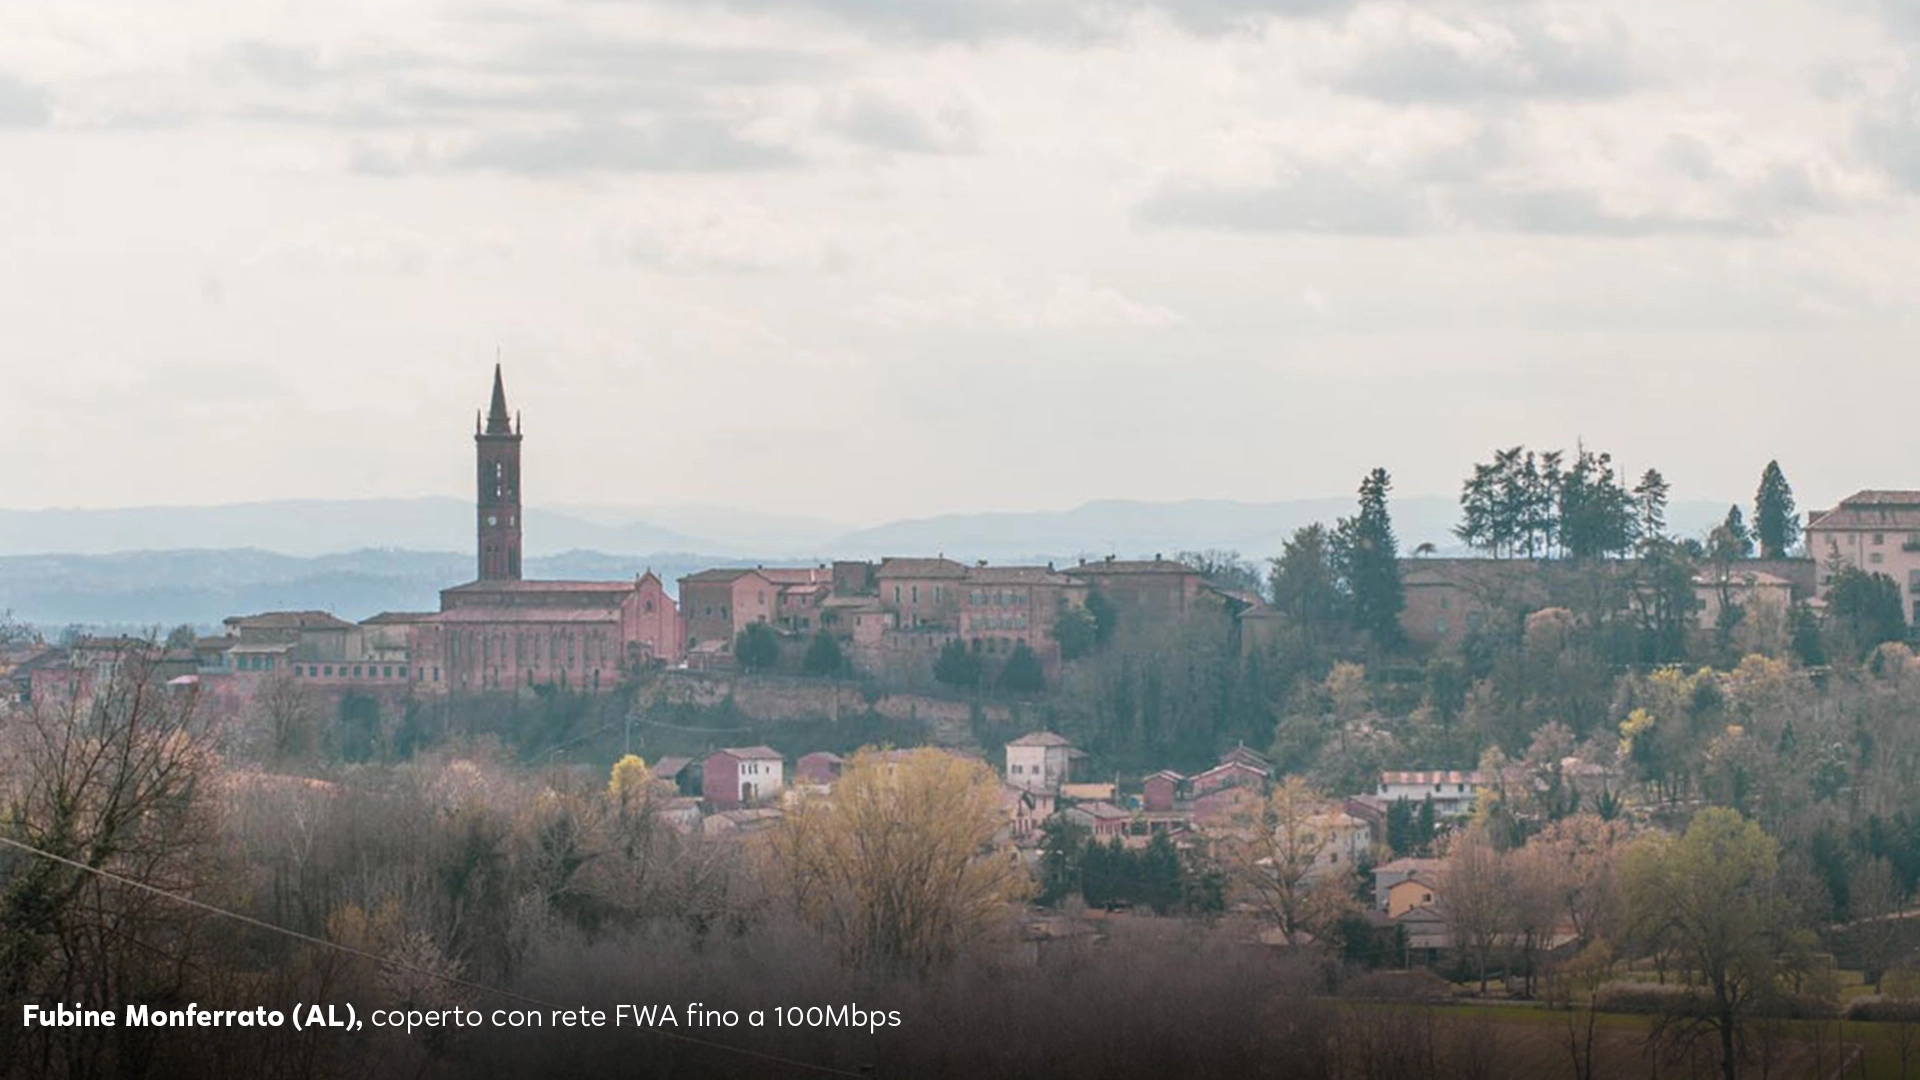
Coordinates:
(452, 980)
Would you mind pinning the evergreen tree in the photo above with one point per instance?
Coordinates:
(1866, 608)
(957, 666)
(1160, 883)
(1061, 843)
(1650, 506)
(1106, 618)
(823, 656)
(1305, 583)
(757, 648)
(1737, 533)
(1022, 673)
(1775, 523)
(1074, 631)
(1596, 513)
(1369, 559)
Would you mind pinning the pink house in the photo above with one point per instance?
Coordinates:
(1159, 791)
(819, 768)
(1232, 773)
(736, 776)
(1104, 819)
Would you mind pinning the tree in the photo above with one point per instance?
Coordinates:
(823, 657)
(1225, 569)
(1022, 673)
(1738, 538)
(1271, 860)
(288, 717)
(112, 778)
(1650, 506)
(1106, 617)
(1596, 513)
(1368, 558)
(627, 783)
(1479, 896)
(1775, 524)
(757, 648)
(1061, 842)
(1710, 896)
(957, 666)
(1304, 583)
(181, 637)
(1073, 630)
(1865, 608)
(901, 865)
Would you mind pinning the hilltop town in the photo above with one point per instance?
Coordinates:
(1364, 771)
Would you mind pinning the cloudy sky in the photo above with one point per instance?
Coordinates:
(875, 258)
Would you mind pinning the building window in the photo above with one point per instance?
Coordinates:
(1876, 558)
(916, 594)
(329, 671)
(1879, 538)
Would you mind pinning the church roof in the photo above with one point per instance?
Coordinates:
(616, 586)
(490, 613)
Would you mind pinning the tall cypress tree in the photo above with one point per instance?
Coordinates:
(1650, 507)
(1775, 524)
(1737, 534)
(1370, 562)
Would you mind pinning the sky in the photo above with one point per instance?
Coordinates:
(870, 259)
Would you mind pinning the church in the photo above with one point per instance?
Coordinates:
(500, 632)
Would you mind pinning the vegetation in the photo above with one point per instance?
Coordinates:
(757, 648)
(823, 658)
(900, 867)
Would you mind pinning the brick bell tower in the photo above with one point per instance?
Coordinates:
(497, 447)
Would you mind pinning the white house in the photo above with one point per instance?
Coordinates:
(1452, 792)
(1039, 761)
(1344, 841)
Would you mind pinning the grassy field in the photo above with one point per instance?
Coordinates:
(1532, 1042)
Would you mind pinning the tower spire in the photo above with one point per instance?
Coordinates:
(498, 423)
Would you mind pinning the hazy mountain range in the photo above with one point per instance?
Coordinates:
(164, 565)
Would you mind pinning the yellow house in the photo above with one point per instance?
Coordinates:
(1415, 892)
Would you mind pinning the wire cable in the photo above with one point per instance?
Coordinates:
(452, 980)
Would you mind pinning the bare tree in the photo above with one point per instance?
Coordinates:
(1272, 849)
(1476, 893)
(900, 864)
(106, 779)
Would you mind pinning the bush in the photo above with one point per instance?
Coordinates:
(1649, 999)
(1885, 1010)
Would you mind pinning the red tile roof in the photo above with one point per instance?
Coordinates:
(397, 618)
(1895, 510)
(1039, 738)
(718, 575)
(913, 567)
(1132, 566)
(291, 620)
(752, 753)
(488, 613)
(542, 586)
(1017, 575)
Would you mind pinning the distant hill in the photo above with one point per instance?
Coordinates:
(315, 527)
(166, 588)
